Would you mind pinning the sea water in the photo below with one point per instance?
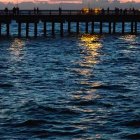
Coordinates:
(78, 87)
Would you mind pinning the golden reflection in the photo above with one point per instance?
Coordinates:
(91, 84)
(91, 44)
(82, 109)
(16, 48)
(129, 38)
(85, 71)
(87, 93)
(88, 96)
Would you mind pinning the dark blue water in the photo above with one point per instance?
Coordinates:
(82, 87)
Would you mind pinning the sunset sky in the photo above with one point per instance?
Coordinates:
(55, 1)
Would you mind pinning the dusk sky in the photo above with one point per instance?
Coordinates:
(55, 1)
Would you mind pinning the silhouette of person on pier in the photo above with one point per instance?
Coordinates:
(134, 11)
(116, 10)
(6, 10)
(125, 11)
(14, 10)
(121, 11)
(37, 10)
(108, 10)
(103, 11)
(60, 11)
(17, 10)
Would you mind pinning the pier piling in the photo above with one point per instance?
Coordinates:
(19, 29)
(0, 29)
(132, 27)
(77, 27)
(35, 29)
(101, 27)
(45, 29)
(27, 29)
(61, 29)
(8, 29)
(123, 27)
(114, 27)
(109, 27)
(69, 27)
(92, 27)
(53, 28)
(136, 27)
(86, 27)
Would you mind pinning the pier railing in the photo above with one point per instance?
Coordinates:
(71, 12)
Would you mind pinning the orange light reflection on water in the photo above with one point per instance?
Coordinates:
(131, 41)
(16, 49)
(91, 45)
(129, 38)
(90, 54)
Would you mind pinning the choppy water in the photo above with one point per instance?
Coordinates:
(72, 88)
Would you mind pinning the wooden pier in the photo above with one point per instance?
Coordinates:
(68, 17)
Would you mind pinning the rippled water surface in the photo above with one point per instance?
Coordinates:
(75, 87)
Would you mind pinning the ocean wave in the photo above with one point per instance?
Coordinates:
(132, 136)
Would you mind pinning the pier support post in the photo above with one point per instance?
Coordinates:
(69, 27)
(123, 26)
(19, 29)
(136, 27)
(114, 27)
(8, 28)
(101, 27)
(0, 29)
(87, 27)
(53, 28)
(92, 27)
(77, 27)
(45, 29)
(109, 27)
(27, 29)
(132, 27)
(61, 29)
(35, 29)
